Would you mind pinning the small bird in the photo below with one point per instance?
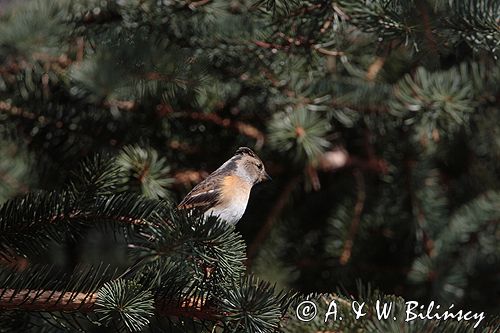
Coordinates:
(225, 192)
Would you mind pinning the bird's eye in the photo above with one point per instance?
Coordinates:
(259, 166)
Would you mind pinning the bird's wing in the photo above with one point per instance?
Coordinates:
(203, 196)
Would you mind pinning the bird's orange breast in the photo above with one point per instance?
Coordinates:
(235, 190)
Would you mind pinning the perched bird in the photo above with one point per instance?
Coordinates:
(225, 192)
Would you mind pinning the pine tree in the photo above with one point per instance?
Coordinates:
(379, 121)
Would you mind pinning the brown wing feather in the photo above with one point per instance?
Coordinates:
(203, 196)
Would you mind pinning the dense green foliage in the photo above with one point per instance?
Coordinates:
(379, 121)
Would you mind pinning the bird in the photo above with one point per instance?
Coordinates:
(225, 192)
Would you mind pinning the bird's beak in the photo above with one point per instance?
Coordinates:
(267, 177)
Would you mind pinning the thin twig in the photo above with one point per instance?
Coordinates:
(196, 4)
(243, 128)
(312, 173)
(428, 27)
(375, 68)
(340, 12)
(332, 53)
(266, 45)
(358, 209)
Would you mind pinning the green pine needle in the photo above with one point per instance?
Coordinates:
(127, 301)
(146, 170)
(301, 132)
(439, 101)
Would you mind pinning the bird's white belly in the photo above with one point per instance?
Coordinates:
(231, 212)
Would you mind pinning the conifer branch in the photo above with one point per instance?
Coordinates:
(241, 127)
(427, 27)
(69, 301)
(46, 300)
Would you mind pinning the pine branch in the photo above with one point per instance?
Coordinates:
(476, 21)
(26, 222)
(254, 306)
(254, 301)
(202, 245)
(46, 300)
(468, 220)
(69, 301)
(144, 168)
(388, 19)
(241, 127)
(427, 26)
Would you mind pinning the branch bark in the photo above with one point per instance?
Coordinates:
(69, 301)
(243, 128)
(48, 300)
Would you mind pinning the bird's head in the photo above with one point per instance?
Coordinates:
(250, 165)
